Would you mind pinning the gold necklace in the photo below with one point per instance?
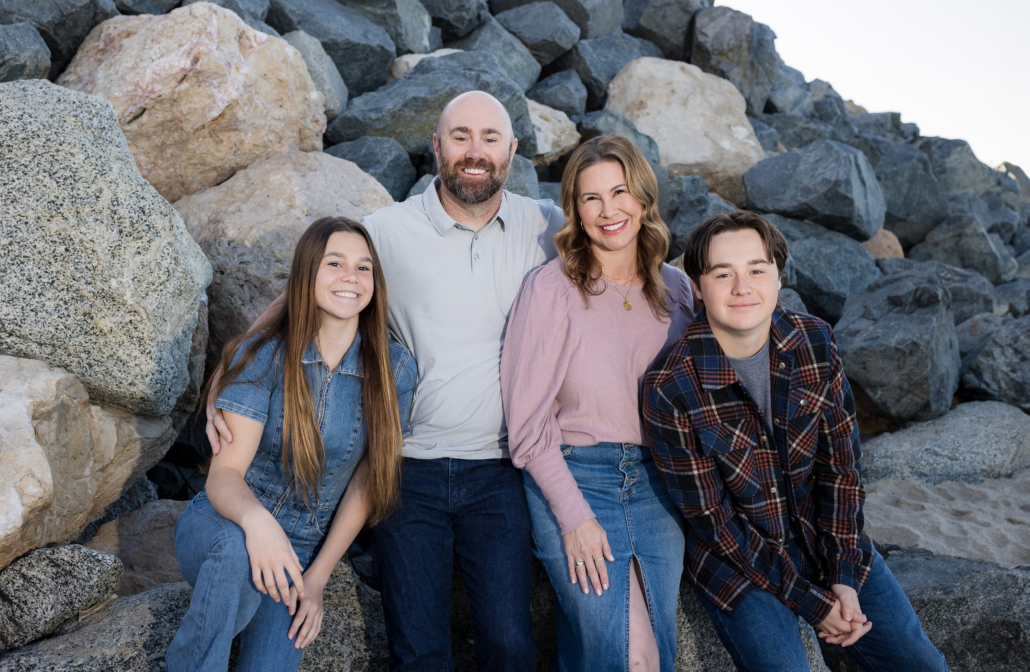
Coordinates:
(625, 297)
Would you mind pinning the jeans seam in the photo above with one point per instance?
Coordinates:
(860, 658)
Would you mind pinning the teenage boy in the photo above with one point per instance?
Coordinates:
(752, 424)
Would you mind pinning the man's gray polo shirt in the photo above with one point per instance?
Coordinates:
(450, 292)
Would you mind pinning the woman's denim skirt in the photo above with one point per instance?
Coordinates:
(624, 488)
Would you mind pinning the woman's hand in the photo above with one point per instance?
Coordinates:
(307, 621)
(586, 547)
(216, 429)
(271, 558)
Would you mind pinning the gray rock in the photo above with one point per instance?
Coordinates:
(831, 111)
(828, 267)
(255, 9)
(1017, 295)
(383, 159)
(827, 182)
(956, 167)
(129, 635)
(914, 199)
(1000, 368)
(513, 56)
(961, 240)
(692, 205)
(40, 591)
(730, 44)
(457, 18)
(1024, 265)
(68, 182)
(362, 51)
(407, 109)
(663, 22)
(419, 187)
(23, 53)
(551, 190)
(562, 91)
(976, 330)
(63, 24)
(597, 61)
(789, 76)
(973, 441)
(543, 27)
(767, 136)
(820, 89)
(435, 39)
(323, 71)
(787, 99)
(522, 178)
(898, 340)
(260, 26)
(791, 300)
(407, 22)
(1021, 242)
(1020, 176)
(797, 132)
(971, 293)
(146, 6)
(143, 491)
(886, 125)
(595, 18)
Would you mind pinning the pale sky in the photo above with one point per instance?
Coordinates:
(957, 69)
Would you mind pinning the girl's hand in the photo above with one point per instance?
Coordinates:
(307, 622)
(586, 548)
(271, 558)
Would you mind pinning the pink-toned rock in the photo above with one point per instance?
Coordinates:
(144, 541)
(884, 245)
(199, 94)
(249, 225)
(556, 135)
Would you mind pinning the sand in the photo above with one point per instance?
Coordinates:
(989, 520)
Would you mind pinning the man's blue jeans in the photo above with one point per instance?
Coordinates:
(476, 510)
(762, 633)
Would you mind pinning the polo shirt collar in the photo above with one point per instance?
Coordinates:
(443, 222)
(350, 364)
(714, 370)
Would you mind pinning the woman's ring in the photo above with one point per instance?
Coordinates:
(581, 564)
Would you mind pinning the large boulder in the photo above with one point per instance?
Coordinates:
(68, 182)
(663, 22)
(199, 94)
(407, 22)
(522, 178)
(362, 51)
(961, 240)
(63, 460)
(456, 18)
(515, 59)
(404, 64)
(383, 159)
(697, 120)
(556, 135)
(729, 44)
(831, 111)
(914, 199)
(144, 541)
(971, 293)
(561, 91)
(796, 132)
(598, 60)
(23, 53)
(47, 587)
(1000, 367)
(827, 182)
(249, 225)
(1017, 295)
(408, 109)
(973, 332)
(974, 441)
(63, 24)
(692, 205)
(543, 27)
(595, 18)
(828, 266)
(767, 136)
(129, 635)
(956, 167)
(884, 245)
(898, 341)
(324, 73)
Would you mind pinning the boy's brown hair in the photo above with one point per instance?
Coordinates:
(695, 260)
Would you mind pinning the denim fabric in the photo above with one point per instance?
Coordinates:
(761, 634)
(474, 510)
(625, 490)
(212, 551)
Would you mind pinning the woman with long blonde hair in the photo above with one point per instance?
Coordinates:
(581, 335)
(317, 400)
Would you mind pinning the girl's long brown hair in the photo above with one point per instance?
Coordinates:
(296, 324)
(572, 242)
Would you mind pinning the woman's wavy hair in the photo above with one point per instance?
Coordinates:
(572, 242)
(295, 324)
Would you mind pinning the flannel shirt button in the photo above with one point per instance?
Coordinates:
(803, 402)
(782, 365)
(772, 490)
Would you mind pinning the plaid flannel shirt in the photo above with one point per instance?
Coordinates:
(728, 474)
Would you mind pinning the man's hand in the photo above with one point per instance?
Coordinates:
(846, 623)
(216, 428)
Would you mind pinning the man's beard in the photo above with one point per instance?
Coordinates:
(467, 191)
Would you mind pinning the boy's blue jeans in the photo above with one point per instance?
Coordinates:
(762, 633)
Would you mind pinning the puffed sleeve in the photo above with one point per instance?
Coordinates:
(537, 349)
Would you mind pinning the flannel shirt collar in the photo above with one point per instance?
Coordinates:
(714, 370)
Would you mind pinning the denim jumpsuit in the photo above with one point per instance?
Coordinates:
(212, 551)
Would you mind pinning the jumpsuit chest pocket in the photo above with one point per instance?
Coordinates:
(733, 445)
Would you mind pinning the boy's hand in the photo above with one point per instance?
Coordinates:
(846, 623)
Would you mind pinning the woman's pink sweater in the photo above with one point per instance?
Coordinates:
(571, 372)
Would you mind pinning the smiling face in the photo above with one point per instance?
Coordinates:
(740, 291)
(344, 284)
(474, 146)
(609, 214)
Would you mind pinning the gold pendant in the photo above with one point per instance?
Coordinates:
(627, 305)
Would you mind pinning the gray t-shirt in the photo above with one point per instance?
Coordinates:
(754, 374)
(450, 291)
